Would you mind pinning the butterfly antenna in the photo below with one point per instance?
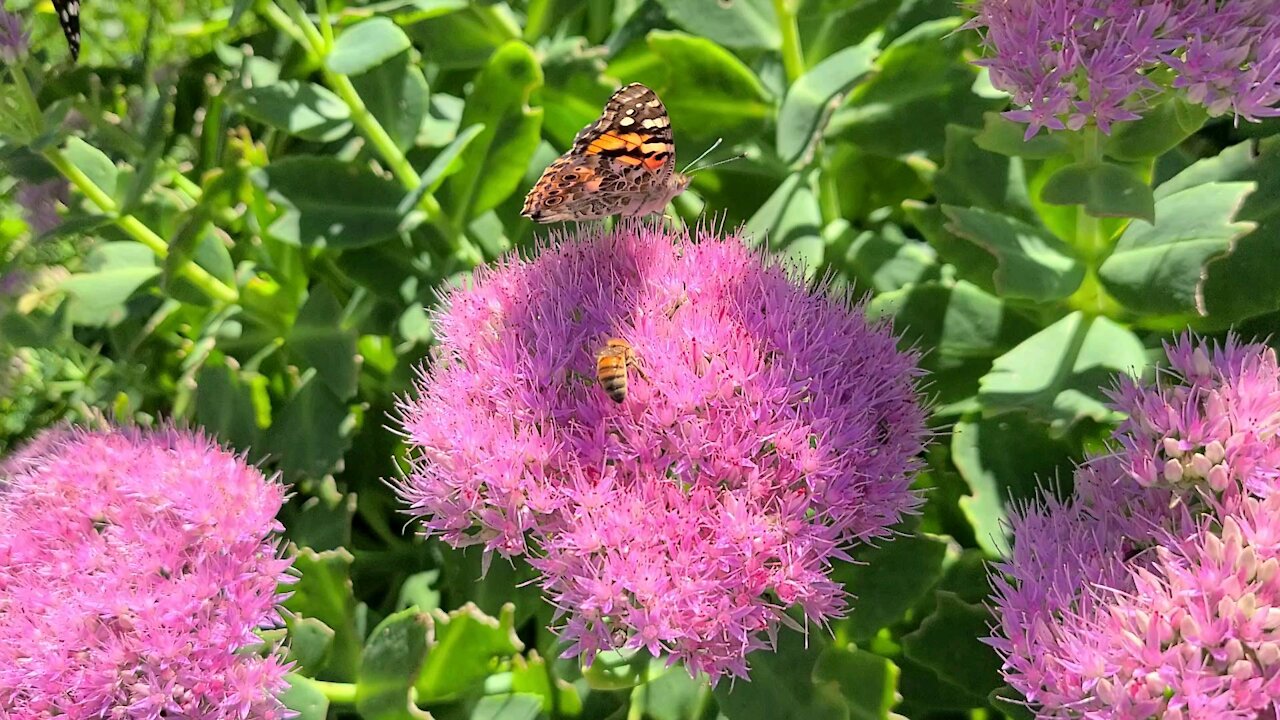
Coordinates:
(714, 145)
(739, 156)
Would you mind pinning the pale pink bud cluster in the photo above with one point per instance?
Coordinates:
(1211, 423)
(1161, 598)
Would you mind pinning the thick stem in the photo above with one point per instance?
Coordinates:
(336, 692)
(1090, 243)
(792, 55)
(196, 275)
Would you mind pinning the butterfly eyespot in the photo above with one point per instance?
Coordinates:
(554, 200)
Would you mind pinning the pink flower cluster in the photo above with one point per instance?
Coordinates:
(135, 567)
(767, 427)
(1067, 62)
(1155, 592)
(1211, 425)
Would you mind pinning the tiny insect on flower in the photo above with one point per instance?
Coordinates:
(611, 367)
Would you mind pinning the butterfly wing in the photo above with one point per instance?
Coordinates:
(69, 18)
(618, 165)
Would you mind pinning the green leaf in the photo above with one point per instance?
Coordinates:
(420, 590)
(116, 271)
(867, 681)
(195, 238)
(1104, 189)
(466, 645)
(330, 203)
(971, 262)
(447, 162)
(494, 162)
(671, 696)
(1060, 373)
(365, 45)
(465, 39)
(319, 338)
(924, 83)
(791, 221)
(224, 405)
(1004, 459)
(310, 642)
(324, 592)
(304, 109)
(806, 106)
(888, 580)
(974, 177)
(1161, 269)
(964, 327)
(1006, 137)
(923, 691)
(509, 706)
(708, 91)
(310, 434)
(156, 136)
(947, 642)
(396, 93)
(323, 521)
(94, 163)
(392, 659)
(885, 259)
(782, 685)
(1160, 129)
(741, 24)
(305, 697)
(1242, 284)
(1031, 263)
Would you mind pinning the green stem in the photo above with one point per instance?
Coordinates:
(792, 56)
(326, 26)
(497, 19)
(536, 19)
(314, 40)
(1091, 242)
(373, 131)
(336, 692)
(196, 275)
(280, 19)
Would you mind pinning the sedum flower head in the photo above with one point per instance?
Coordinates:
(767, 427)
(135, 567)
(1212, 423)
(1066, 62)
(1135, 600)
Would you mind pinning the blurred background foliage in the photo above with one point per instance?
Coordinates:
(265, 199)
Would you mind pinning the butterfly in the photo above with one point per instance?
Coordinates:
(622, 164)
(69, 18)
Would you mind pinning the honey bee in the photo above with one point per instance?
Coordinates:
(611, 367)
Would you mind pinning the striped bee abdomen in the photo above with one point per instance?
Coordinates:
(611, 368)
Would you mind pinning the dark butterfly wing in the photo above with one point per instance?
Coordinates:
(69, 18)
